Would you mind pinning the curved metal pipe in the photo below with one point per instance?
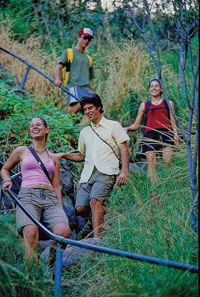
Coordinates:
(103, 249)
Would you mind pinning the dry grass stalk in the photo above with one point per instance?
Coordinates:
(30, 51)
(127, 67)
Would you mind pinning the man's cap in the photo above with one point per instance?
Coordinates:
(86, 32)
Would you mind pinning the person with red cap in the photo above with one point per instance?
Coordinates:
(80, 69)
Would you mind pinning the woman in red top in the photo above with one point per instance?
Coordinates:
(160, 130)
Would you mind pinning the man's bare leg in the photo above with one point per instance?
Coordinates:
(97, 216)
(74, 108)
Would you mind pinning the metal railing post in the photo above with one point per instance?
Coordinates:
(39, 71)
(58, 271)
(25, 77)
(103, 249)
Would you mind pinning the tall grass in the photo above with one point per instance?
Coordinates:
(158, 227)
(119, 70)
(128, 71)
(15, 280)
(30, 51)
(153, 225)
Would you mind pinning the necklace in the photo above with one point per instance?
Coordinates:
(40, 152)
(157, 102)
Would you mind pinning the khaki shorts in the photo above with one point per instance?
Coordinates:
(43, 204)
(99, 186)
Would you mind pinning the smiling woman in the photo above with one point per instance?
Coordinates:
(40, 191)
(160, 133)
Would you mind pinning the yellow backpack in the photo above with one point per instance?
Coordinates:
(66, 70)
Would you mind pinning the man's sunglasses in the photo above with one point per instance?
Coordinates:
(87, 37)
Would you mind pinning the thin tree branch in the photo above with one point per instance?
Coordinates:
(133, 17)
(194, 87)
(196, 141)
(151, 53)
(154, 35)
(190, 56)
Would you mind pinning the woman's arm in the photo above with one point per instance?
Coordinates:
(14, 159)
(173, 123)
(138, 119)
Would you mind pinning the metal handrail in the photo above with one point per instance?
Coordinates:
(64, 241)
(29, 65)
(61, 241)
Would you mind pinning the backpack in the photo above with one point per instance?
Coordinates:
(66, 70)
(147, 105)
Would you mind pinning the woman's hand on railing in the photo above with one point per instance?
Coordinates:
(6, 185)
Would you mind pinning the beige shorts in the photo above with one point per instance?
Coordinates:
(43, 204)
(99, 186)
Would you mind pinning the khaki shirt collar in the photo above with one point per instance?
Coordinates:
(102, 122)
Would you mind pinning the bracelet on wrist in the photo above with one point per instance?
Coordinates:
(8, 180)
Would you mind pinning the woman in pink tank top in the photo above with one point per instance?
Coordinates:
(160, 132)
(41, 196)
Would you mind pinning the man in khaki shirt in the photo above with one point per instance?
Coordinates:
(101, 166)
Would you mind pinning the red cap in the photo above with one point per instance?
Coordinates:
(86, 32)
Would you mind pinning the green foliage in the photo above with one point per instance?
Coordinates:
(22, 14)
(14, 279)
(154, 225)
(58, 20)
(19, 110)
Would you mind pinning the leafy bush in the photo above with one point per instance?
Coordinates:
(19, 110)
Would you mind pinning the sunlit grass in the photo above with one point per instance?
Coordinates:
(159, 228)
(152, 225)
(29, 50)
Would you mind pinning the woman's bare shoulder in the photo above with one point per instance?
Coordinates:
(20, 150)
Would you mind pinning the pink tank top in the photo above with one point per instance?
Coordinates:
(32, 173)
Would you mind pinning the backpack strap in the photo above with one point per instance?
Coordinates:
(90, 61)
(167, 108)
(66, 70)
(70, 56)
(147, 105)
(120, 163)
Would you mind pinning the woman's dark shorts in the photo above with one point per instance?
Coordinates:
(43, 204)
(156, 140)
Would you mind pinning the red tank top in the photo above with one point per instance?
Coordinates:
(157, 117)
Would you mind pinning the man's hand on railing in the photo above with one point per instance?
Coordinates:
(57, 82)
